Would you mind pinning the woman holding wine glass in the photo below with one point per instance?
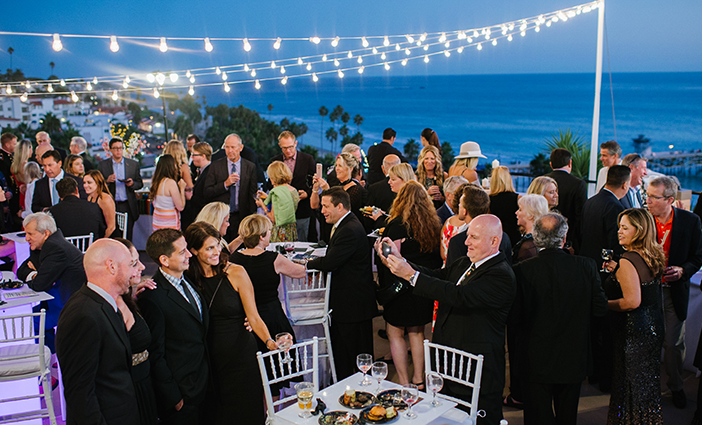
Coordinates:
(228, 290)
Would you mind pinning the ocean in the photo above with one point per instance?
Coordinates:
(510, 116)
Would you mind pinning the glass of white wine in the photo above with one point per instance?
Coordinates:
(305, 392)
(284, 341)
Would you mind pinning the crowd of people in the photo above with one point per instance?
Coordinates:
(479, 266)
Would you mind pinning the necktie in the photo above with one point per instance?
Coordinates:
(233, 192)
(54, 192)
(191, 299)
(470, 270)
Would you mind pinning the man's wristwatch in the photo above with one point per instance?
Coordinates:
(413, 279)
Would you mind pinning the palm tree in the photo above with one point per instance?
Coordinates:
(332, 135)
(575, 144)
(10, 51)
(411, 150)
(270, 108)
(50, 123)
(323, 111)
(52, 65)
(358, 120)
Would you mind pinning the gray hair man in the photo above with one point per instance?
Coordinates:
(610, 154)
(450, 185)
(637, 165)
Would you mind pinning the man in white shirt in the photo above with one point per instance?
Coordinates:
(637, 165)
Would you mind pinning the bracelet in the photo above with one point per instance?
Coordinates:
(269, 339)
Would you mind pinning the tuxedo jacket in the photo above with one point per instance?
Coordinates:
(216, 191)
(556, 295)
(304, 166)
(93, 349)
(60, 272)
(352, 294)
(131, 171)
(379, 195)
(78, 217)
(685, 252)
(42, 192)
(472, 315)
(599, 226)
(376, 154)
(178, 350)
(572, 194)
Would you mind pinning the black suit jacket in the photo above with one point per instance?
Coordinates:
(87, 162)
(78, 217)
(457, 247)
(572, 194)
(376, 154)
(556, 295)
(42, 192)
(178, 350)
(352, 294)
(472, 316)
(60, 272)
(198, 200)
(131, 171)
(599, 226)
(248, 154)
(379, 195)
(444, 213)
(685, 252)
(216, 191)
(93, 349)
(304, 166)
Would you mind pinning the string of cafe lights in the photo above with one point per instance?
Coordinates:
(404, 47)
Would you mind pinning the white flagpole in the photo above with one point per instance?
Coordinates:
(594, 144)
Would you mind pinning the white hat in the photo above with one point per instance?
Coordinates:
(470, 150)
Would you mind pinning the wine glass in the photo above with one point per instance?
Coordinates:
(607, 255)
(284, 341)
(409, 396)
(434, 384)
(379, 372)
(305, 392)
(364, 363)
(289, 247)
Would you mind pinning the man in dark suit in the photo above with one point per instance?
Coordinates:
(302, 166)
(572, 193)
(377, 153)
(599, 231)
(248, 154)
(78, 147)
(637, 165)
(45, 192)
(178, 319)
(232, 180)
(680, 235)
(554, 310)
(123, 178)
(43, 139)
(92, 344)
(9, 218)
(75, 216)
(201, 158)
(54, 266)
(352, 294)
(381, 195)
(190, 142)
(475, 294)
(450, 185)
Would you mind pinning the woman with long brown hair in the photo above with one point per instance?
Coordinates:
(97, 191)
(414, 227)
(428, 137)
(74, 165)
(430, 173)
(167, 196)
(634, 292)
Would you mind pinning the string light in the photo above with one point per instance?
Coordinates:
(63, 83)
(125, 84)
(340, 73)
(160, 78)
(276, 45)
(315, 40)
(191, 91)
(386, 41)
(336, 62)
(324, 58)
(50, 88)
(192, 79)
(479, 46)
(156, 93)
(397, 47)
(95, 81)
(126, 78)
(226, 87)
(27, 84)
(426, 59)
(224, 76)
(442, 38)
(282, 69)
(404, 62)
(383, 56)
(387, 67)
(360, 70)
(208, 45)
(300, 62)
(349, 55)
(335, 41)
(447, 44)
(273, 65)
(314, 77)
(409, 38)
(284, 81)
(537, 28)
(253, 72)
(360, 59)
(494, 42)
(447, 53)
(89, 86)
(218, 71)
(257, 85)
(246, 67)
(426, 47)
(173, 77)
(74, 96)
(460, 49)
(407, 52)
(423, 37)
(309, 66)
(247, 45)
(23, 98)
(115, 96)
(364, 42)
(375, 51)
(114, 46)
(163, 47)
(57, 45)
(509, 37)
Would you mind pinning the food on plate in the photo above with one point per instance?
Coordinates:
(377, 413)
(367, 210)
(338, 418)
(390, 412)
(356, 399)
(349, 397)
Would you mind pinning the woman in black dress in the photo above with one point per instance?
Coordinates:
(634, 292)
(430, 173)
(415, 229)
(503, 202)
(229, 292)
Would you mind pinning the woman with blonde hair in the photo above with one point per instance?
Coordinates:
(398, 175)
(23, 151)
(466, 162)
(430, 173)
(74, 165)
(636, 319)
(176, 149)
(167, 196)
(546, 187)
(217, 214)
(283, 200)
(32, 173)
(414, 228)
(97, 191)
(503, 201)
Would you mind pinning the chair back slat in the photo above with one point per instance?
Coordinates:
(122, 218)
(81, 242)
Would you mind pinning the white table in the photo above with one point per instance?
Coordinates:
(21, 247)
(330, 396)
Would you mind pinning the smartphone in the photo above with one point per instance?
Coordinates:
(319, 170)
(387, 249)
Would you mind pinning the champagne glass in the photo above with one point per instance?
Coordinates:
(409, 396)
(305, 392)
(607, 255)
(379, 372)
(434, 384)
(364, 363)
(284, 341)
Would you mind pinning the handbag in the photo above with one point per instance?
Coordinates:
(388, 293)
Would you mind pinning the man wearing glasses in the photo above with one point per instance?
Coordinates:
(680, 234)
(123, 179)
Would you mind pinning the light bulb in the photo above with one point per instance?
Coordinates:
(509, 37)
(314, 77)
(404, 62)
(511, 26)
(247, 45)
(74, 96)
(218, 71)
(407, 52)
(349, 55)
(257, 85)
(542, 20)
(475, 34)
(397, 47)
(470, 40)
(8, 90)
(577, 12)
(125, 84)
(409, 38)
(282, 69)
(360, 70)
(57, 45)
(187, 74)
(309, 66)
(299, 61)
(163, 47)
(383, 56)
(23, 98)
(276, 45)
(447, 53)
(447, 44)
(173, 77)
(246, 67)
(114, 46)
(360, 59)
(523, 26)
(284, 81)
(494, 42)
(336, 62)
(423, 37)
(487, 36)
(273, 65)
(523, 33)
(324, 57)
(548, 23)
(115, 96)
(426, 59)
(50, 88)
(126, 78)
(95, 80)
(253, 72)
(226, 87)
(335, 41)
(462, 35)
(386, 41)
(537, 28)
(192, 79)
(160, 78)
(208, 45)
(460, 49)
(480, 46)
(586, 9)
(419, 43)
(191, 91)
(315, 40)
(364, 42)
(27, 84)
(442, 38)
(554, 19)
(63, 83)
(375, 51)
(426, 47)
(224, 76)
(89, 86)
(156, 93)
(386, 66)
(341, 74)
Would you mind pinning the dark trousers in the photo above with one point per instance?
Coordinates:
(552, 404)
(491, 403)
(348, 341)
(187, 415)
(602, 349)
(123, 206)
